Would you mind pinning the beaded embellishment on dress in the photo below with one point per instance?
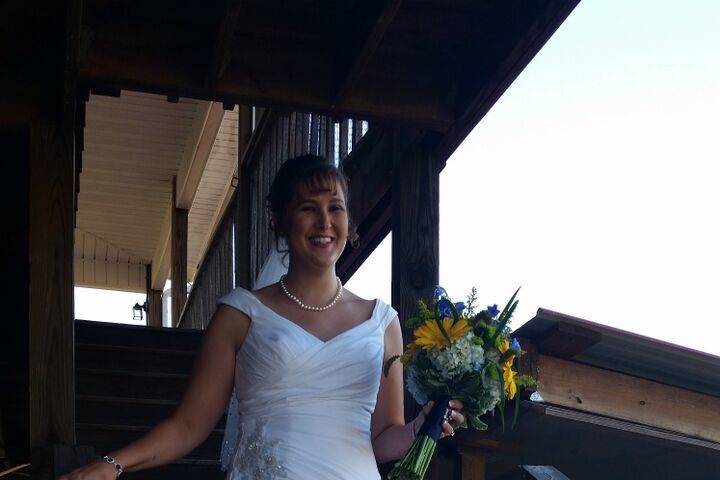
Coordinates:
(256, 456)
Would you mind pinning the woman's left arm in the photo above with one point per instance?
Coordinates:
(391, 436)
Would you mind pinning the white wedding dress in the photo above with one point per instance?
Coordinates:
(305, 404)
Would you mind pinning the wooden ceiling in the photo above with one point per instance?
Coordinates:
(134, 145)
(435, 64)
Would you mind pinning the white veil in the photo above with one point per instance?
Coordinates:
(271, 271)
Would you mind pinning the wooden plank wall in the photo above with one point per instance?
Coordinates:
(288, 135)
(100, 264)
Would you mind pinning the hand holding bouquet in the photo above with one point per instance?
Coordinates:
(457, 354)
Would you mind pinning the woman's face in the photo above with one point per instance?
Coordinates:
(317, 227)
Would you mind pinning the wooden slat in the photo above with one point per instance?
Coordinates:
(344, 135)
(291, 135)
(602, 392)
(322, 139)
(331, 140)
(314, 134)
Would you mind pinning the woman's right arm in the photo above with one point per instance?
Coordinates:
(202, 405)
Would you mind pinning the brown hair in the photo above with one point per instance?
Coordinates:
(314, 173)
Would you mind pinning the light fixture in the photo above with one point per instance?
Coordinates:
(138, 310)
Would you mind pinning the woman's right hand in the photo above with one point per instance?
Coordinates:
(97, 470)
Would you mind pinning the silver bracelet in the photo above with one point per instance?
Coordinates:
(116, 465)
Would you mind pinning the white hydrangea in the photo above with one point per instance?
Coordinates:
(414, 386)
(461, 357)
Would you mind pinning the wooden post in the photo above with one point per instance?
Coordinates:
(154, 312)
(242, 204)
(415, 226)
(415, 230)
(51, 368)
(14, 248)
(178, 253)
(472, 464)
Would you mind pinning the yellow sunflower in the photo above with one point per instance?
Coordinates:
(429, 336)
(508, 372)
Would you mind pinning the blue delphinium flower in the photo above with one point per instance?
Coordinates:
(493, 310)
(460, 306)
(515, 345)
(444, 307)
(439, 292)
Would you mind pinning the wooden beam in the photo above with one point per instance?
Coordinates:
(193, 164)
(113, 67)
(489, 90)
(616, 395)
(178, 252)
(222, 49)
(354, 54)
(202, 138)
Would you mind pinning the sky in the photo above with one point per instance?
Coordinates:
(591, 183)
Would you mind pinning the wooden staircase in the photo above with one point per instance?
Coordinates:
(128, 378)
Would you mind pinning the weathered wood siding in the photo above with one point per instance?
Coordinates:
(214, 277)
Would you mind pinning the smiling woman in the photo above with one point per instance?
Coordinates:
(302, 354)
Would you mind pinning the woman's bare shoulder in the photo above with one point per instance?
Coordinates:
(358, 301)
(229, 322)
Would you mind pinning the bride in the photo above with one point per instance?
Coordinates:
(302, 357)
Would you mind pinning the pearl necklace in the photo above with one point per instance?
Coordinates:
(311, 307)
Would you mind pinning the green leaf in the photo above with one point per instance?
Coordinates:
(517, 410)
(439, 321)
(508, 306)
(477, 423)
(504, 317)
(389, 362)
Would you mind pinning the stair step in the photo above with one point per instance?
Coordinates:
(126, 411)
(133, 358)
(186, 469)
(128, 384)
(137, 336)
(106, 438)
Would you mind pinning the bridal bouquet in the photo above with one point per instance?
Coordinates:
(457, 353)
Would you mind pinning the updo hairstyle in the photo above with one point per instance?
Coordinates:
(313, 173)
